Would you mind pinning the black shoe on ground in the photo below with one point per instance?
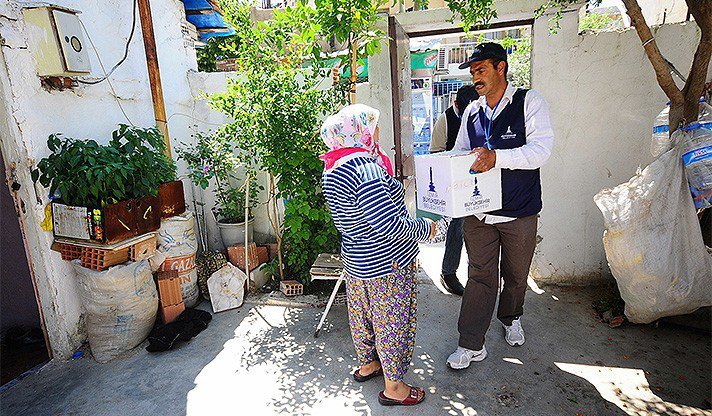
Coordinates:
(451, 284)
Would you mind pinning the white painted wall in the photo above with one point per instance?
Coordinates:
(28, 114)
(603, 97)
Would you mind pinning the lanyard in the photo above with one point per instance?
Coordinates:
(488, 125)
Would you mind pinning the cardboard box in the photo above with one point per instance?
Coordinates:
(445, 185)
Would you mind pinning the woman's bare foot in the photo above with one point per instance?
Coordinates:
(398, 390)
(369, 368)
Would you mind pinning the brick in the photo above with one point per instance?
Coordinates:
(70, 252)
(101, 259)
(171, 312)
(169, 288)
(236, 255)
(291, 287)
(262, 255)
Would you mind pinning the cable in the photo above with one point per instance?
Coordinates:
(126, 51)
(196, 119)
(96, 52)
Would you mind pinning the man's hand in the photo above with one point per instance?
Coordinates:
(433, 228)
(486, 159)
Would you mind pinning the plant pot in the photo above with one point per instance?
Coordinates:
(172, 198)
(232, 234)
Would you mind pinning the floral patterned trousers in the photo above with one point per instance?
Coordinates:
(382, 317)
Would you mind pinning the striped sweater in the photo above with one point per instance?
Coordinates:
(368, 208)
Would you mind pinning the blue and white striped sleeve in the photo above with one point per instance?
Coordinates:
(382, 214)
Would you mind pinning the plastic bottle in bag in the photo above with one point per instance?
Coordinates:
(696, 149)
(661, 142)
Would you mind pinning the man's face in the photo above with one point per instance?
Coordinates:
(486, 77)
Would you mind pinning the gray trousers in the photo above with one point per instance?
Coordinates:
(515, 240)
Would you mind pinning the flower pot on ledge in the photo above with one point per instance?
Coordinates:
(232, 234)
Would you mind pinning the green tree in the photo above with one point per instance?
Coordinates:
(276, 103)
(352, 22)
(684, 106)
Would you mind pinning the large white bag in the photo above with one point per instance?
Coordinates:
(121, 305)
(653, 242)
(176, 239)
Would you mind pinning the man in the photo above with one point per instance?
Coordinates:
(443, 139)
(507, 128)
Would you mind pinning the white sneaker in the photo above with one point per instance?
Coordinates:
(462, 357)
(514, 334)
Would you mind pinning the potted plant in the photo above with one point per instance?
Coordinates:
(107, 192)
(213, 157)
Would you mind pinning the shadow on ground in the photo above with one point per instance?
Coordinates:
(264, 360)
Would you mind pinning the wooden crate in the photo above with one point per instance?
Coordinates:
(108, 225)
(143, 250)
(291, 287)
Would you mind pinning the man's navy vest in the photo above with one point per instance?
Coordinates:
(521, 188)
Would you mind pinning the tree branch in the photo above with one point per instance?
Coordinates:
(701, 10)
(662, 71)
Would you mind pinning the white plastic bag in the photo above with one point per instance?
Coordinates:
(121, 305)
(227, 288)
(653, 242)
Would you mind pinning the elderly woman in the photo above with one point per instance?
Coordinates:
(379, 250)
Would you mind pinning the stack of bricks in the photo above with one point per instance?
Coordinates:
(169, 293)
(97, 258)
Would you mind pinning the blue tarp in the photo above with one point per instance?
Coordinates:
(206, 19)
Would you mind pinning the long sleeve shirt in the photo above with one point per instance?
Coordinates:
(540, 136)
(368, 208)
(438, 140)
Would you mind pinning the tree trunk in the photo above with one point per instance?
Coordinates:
(684, 106)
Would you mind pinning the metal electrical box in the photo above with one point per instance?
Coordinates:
(57, 41)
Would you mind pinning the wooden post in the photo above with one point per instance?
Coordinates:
(247, 225)
(154, 75)
(354, 57)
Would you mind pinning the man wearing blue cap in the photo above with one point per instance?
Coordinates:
(509, 129)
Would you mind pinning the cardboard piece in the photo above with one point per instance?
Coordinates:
(445, 185)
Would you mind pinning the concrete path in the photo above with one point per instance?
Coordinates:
(264, 360)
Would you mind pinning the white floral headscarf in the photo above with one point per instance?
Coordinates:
(351, 131)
